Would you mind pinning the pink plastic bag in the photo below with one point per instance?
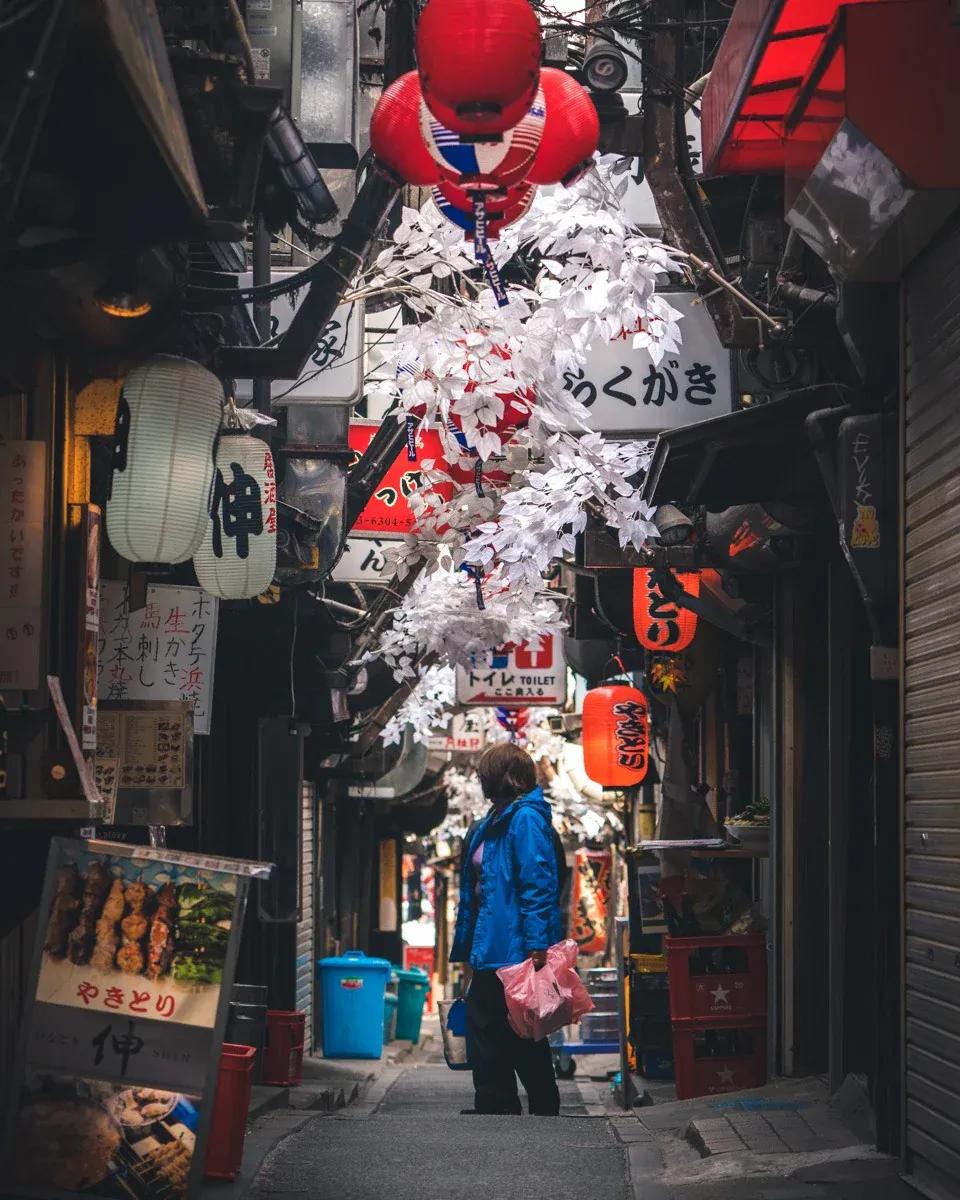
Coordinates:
(541, 1002)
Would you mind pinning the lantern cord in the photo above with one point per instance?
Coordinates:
(293, 649)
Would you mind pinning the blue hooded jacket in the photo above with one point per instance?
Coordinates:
(519, 909)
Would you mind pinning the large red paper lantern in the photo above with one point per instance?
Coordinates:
(660, 624)
(479, 62)
(485, 166)
(395, 136)
(500, 213)
(616, 735)
(571, 131)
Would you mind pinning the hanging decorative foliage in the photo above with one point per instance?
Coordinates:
(238, 556)
(395, 136)
(479, 63)
(570, 134)
(659, 623)
(167, 421)
(485, 166)
(616, 735)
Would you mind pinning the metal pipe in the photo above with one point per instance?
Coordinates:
(261, 308)
(374, 463)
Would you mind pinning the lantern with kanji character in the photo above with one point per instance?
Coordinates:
(484, 166)
(167, 420)
(479, 63)
(238, 556)
(616, 735)
(660, 623)
(570, 134)
(395, 135)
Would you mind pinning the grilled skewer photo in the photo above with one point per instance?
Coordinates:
(82, 939)
(63, 911)
(105, 950)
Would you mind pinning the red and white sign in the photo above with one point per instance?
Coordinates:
(387, 514)
(516, 676)
(465, 733)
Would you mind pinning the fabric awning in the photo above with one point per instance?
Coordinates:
(750, 456)
(767, 55)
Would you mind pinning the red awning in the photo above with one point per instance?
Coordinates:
(767, 52)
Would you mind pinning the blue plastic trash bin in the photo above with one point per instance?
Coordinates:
(413, 985)
(352, 988)
(389, 1017)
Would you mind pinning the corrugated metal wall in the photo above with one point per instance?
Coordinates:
(932, 716)
(305, 926)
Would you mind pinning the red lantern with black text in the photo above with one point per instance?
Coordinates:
(571, 131)
(479, 63)
(395, 136)
(660, 623)
(616, 735)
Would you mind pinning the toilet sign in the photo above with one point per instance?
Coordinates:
(516, 675)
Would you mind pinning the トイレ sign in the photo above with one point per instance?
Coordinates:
(626, 392)
(516, 675)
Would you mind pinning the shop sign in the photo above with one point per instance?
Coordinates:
(365, 560)
(516, 675)
(590, 897)
(89, 638)
(387, 514)
(334, 370)
(144, 763)
(626, 392)
(867, 533)
(117, 1071)
(465, 734)
(23, 480)
(163, 651)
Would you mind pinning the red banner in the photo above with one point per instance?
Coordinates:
(590, 900)
(388, 510)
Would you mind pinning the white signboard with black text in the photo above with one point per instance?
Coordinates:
(627, 393)
(464, 733)
(516, 676)
(334, 371)
(366, 560)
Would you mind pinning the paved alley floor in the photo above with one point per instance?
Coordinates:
(413, 1144)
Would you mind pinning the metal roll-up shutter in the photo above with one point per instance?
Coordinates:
(932, 717)
(305, 926)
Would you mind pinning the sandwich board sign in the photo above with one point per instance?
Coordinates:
(516, 675)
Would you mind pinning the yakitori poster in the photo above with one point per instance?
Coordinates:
(590, 896)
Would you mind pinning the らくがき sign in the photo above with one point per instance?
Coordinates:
(627, 392)
(387, 513)
(516, 675)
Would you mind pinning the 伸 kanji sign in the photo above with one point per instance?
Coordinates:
(516, 675)
(387, 513)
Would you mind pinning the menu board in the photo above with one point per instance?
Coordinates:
(144, 763)
(163, 651)
(133, 968)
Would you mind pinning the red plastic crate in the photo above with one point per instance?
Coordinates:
(422, 957)
(283, 1053)
(228, 1125)
(703, 985)
(738, 1059)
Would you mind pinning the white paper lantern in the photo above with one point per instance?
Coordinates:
(167, 421)
(238, 555)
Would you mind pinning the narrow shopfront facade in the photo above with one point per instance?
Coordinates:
(931, 687)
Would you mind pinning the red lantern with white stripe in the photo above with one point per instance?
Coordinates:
(238, 556)
(395, 135)
(479, 63)
(616, 736)
(485, 166)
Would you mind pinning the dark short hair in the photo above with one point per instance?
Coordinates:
(506, 772)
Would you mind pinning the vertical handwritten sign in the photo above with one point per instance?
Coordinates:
(22, 502)
(163, 651)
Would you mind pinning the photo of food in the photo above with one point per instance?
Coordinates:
(79, 1135)
(140, 937)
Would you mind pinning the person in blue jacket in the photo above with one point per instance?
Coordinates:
(509, 911)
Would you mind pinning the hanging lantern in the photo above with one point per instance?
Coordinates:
(616, 735)
(571, 131)
(500, 213)
(479, 63)
(395, 136)
(167, 421)
(485, 166)
(238, 556)
(658, 623)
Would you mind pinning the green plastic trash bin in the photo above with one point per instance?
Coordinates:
(412, 988)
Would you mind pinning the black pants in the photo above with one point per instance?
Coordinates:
(499, 1056)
